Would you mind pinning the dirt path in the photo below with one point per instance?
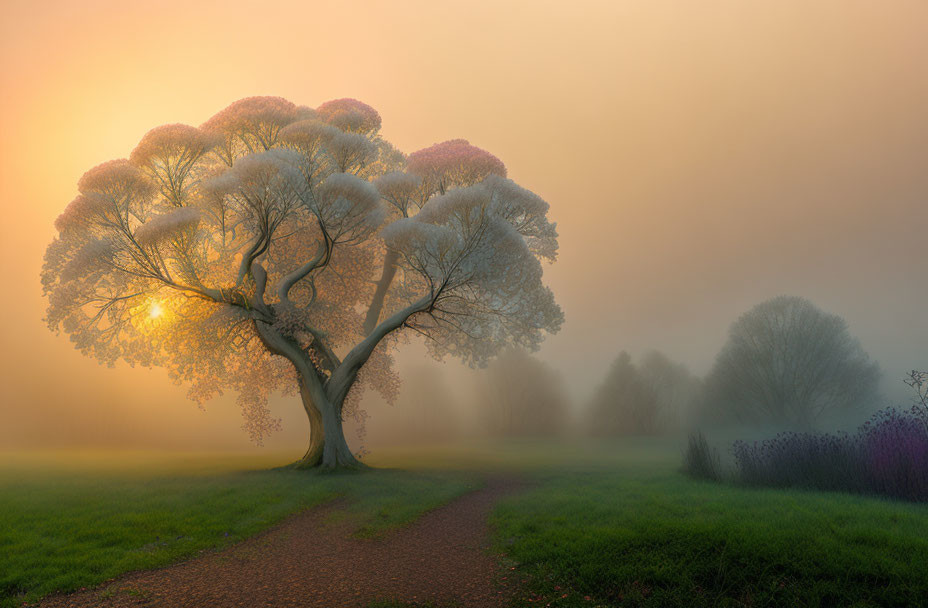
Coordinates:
(442, 558)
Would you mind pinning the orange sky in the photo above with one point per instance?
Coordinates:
(698, 157)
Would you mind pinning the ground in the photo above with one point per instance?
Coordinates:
(311, 561)
(609, 524)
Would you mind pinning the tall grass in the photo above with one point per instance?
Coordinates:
(701, 461)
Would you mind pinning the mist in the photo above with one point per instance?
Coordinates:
(698, 161)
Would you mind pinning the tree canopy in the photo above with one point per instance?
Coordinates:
(281, 248)
(788, 362)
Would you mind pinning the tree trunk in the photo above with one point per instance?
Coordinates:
(336, 454)
(328, 396)
(380, 294)
(328, 448)
(313, 456)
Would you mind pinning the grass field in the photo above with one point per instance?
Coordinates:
(71, 524)
(634, 532)
(600, 525)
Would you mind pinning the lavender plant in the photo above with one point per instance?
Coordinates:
(887, 456)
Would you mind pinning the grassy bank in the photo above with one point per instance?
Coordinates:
(632, 531)
(69, 525)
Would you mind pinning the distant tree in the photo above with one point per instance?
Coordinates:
(788, 362)
(625, 403)
(674, 387)
(523, 396)
(243, 255)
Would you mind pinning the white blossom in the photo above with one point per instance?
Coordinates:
(162, 227)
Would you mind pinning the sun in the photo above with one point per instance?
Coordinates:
(155, 311)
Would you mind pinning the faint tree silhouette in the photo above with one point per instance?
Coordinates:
(788, 362)
(624, 404)
(521, 395)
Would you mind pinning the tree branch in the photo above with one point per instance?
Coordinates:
(346, 373)
(291, 279)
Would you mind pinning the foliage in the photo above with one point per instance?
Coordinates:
(788, 362)
(701, 461)
(242, 255)
(521, 395)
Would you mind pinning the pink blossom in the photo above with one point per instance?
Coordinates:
(308, 135)
(350, 115)
(78, 213)
(111, 177)
(454, 163)
(252, 110)
(174, 140)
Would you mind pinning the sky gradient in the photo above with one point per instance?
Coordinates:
(698, 158)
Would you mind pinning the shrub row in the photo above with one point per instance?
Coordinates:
(888, 456)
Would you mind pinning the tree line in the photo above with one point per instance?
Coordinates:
(786, 363)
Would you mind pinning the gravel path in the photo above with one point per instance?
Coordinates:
(443, 558)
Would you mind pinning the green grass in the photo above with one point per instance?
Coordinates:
(632, 531)
(617, 524)
(66, 529)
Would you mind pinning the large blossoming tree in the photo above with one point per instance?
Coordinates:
(281, 248)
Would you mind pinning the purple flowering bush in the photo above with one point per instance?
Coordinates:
(888, 456)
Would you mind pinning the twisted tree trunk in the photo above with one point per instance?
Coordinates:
(323, 399)
(327, 448)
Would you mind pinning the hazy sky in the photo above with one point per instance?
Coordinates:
(698, 157)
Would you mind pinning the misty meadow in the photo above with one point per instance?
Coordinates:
(446, 305)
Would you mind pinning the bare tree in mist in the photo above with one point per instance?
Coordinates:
(787, 362)
(250, 254)
(625, 403)
(521, 395)
(919, 383)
